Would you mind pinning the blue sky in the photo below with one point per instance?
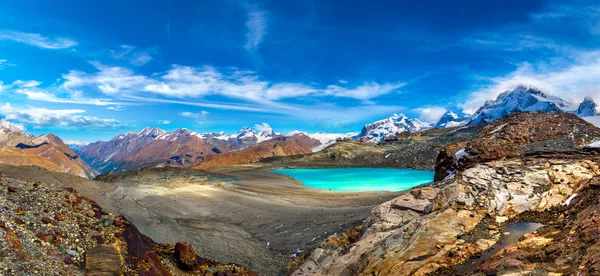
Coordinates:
(88, 70)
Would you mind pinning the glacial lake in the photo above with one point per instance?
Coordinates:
(360, 179)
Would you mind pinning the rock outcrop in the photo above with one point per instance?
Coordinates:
(49, 230)
(516, 135)
(445, 228)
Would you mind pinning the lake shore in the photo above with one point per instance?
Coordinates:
(258, 221)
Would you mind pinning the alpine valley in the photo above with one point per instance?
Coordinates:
(525, 159)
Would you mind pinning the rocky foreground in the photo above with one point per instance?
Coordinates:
(533, 168)
(49, 230)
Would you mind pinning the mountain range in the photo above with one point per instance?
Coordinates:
(154, 147)
(184, 148)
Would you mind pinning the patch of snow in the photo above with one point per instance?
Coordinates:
(461, 153)
(594, 145)
(327, 139)
(569, 200)
(11, 127)
(594, 120)
(498, 128)
(450, 176)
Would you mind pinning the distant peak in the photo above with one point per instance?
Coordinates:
(11, 127)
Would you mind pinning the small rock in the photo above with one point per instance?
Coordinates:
(118, 222)
(103, 258)
(185, 255)
(12, 189)
(107, 222)
(68, 260)
(46, 220)
(59, 217)
(71, 252)
(105, 212)
(91, 214)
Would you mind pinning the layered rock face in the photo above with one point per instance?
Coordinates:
(47, 151)
(447, 227)
(48, 230)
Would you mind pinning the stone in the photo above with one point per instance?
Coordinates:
(501, 219)
(91, 214)
(185, 255)
(46, 220)
(12, 189)
(107, 222)
(59, 217)
(103, 258)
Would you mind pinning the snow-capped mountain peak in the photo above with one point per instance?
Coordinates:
(391, 127)
(451, 119)
(525, 98)
(6, 126)
(587, 108)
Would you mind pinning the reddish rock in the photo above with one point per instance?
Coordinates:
(46, 220)
(68, 260)
(99, 239)
(185, 255)
(514, 263)
(59, 217)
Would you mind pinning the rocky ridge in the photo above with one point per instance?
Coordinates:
(469, 212)
(47, 151)
(49, 230)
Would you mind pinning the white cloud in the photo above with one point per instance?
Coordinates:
(198, 117)
(132, 54)
(164, 122)
(3, 63)
(38, 40)
(76, 143)
(366, 91)
(256, 28)
(192, 82)
(263, 127)
(571, 81)
(430, 114)
(55, 117)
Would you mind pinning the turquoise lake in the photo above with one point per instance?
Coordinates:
(360, 179)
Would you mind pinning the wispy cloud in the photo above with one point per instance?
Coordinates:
(33, 92)
(38, 40)
(133, 55)
(256, 26)
(200, 117)
(3, 63)
(55, 117)
(191, 82)
(164, 122)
